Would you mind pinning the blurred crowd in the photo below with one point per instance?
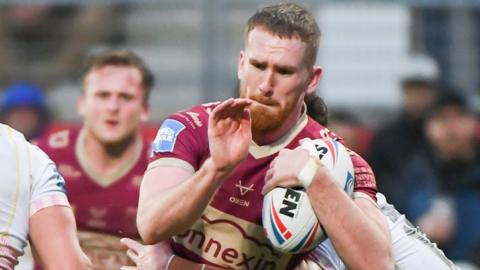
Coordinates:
(26, 33)
(426, 160)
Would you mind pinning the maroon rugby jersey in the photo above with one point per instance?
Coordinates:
(229, 233)
(105, 207)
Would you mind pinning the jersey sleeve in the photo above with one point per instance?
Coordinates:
(365, 183)
(181, 140)
(14, 197)
(48, 186)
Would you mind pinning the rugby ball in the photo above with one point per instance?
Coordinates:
(287, 215)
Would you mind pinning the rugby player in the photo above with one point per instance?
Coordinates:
(104, 161)
(34, 207)
(412, 250)
(203, 187)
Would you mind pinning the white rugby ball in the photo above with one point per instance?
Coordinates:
(288, 218)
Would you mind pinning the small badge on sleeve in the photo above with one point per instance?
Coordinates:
(167, 136)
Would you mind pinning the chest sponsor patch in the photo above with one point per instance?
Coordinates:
(167, 136)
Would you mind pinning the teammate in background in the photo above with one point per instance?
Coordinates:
(34, 206)
(104, 161)
(203, 187)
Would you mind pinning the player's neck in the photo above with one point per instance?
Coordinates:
(106, 158)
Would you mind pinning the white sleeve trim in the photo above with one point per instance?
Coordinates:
(47, 201)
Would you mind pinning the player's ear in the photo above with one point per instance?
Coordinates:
(315, 78)
(241, 60)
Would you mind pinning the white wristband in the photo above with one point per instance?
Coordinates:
(169, 261)
(308, 172)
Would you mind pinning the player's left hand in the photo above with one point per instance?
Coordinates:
(285, 168)
(146, 257)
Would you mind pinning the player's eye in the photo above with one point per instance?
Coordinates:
(102, 95)
(284, 71)
(126, 97)
(258, 65)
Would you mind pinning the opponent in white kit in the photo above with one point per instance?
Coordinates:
(412, 250)
(34, 206)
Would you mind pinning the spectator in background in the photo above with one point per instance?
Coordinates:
(45, 44)
(393, 143)
(442, 182)
(24, 108)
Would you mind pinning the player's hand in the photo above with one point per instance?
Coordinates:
(146, 257)
(229, 133)
(285, 168)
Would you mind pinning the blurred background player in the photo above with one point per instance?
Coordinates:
(24, 108)
(104, 161)
(34, 206)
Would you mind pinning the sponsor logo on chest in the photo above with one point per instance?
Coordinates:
(243, 190)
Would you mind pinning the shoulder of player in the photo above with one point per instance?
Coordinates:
(8, 132)
(364, 175)
(63, 138)
(195, 117)
(188, 126)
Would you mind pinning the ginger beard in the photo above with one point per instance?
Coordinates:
(266, 114)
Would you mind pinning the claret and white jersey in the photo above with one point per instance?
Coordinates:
(29, 182)
(230, 233)
(105, 207)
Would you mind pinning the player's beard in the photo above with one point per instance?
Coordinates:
(268, 117)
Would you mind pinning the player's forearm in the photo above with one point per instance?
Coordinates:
(175, 209)
(57, 221)
(360, 241)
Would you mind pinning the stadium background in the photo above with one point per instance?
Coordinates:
(192, 47)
